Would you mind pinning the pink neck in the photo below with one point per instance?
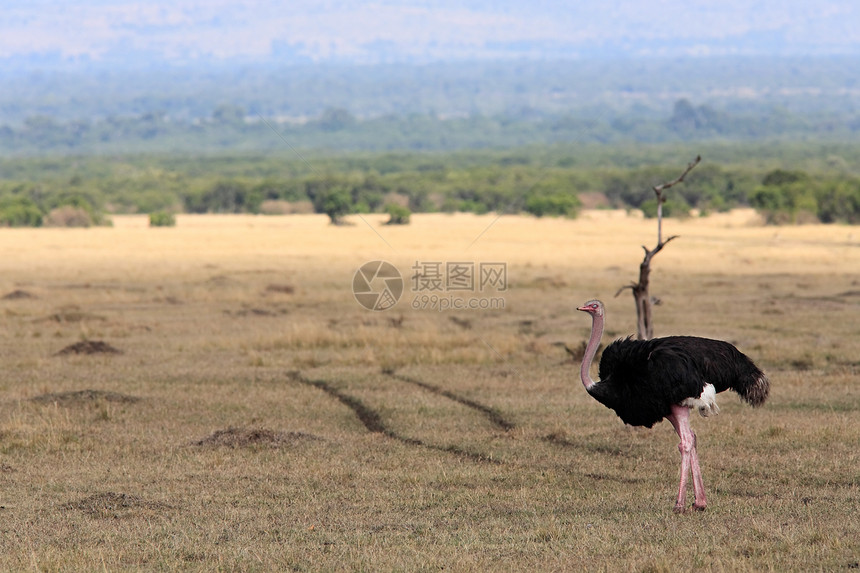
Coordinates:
(591, 351)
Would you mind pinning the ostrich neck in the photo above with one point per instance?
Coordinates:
(591, 351)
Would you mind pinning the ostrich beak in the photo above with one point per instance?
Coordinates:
(584, 309)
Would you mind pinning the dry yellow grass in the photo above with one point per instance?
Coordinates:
(414, 439)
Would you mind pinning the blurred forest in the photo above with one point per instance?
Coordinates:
(787, 182)
(547, 138)
(646, 88)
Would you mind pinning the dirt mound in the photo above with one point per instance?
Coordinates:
(113, 505)
(89, 347)
(84, 397)
(251, 312)
(253, 437)
(281, 288)
(17, 294)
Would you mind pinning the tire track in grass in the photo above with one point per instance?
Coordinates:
(493, 415)
(372, 421)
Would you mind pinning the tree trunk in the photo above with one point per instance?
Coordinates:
(641, 294)
(644, 326)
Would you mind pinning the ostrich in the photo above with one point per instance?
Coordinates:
(645, 381)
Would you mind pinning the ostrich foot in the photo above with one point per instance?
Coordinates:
(680, 507)
(684, 509)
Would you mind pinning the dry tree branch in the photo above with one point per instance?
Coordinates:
(644, 327)
(658, 190)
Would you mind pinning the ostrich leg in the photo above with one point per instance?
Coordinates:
(698, 484)
(680, 418)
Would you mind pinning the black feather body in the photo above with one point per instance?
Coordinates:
(642, 379)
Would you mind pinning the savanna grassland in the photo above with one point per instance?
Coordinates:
(212, 397)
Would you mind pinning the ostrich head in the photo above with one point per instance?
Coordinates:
(592, 307)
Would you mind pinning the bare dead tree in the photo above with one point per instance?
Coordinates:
(641, 295)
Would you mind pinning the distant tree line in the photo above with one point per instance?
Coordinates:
(531, 88)
(231, 127)
(793, 196)
(402, 184)
(24, 205)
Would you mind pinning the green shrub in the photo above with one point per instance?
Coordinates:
(19, 212)
(335, 203)
(162, 219)
(398, 214)
(840, 201)
(786, 197)
(555, 204)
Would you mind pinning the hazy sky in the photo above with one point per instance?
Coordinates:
(182, 30)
